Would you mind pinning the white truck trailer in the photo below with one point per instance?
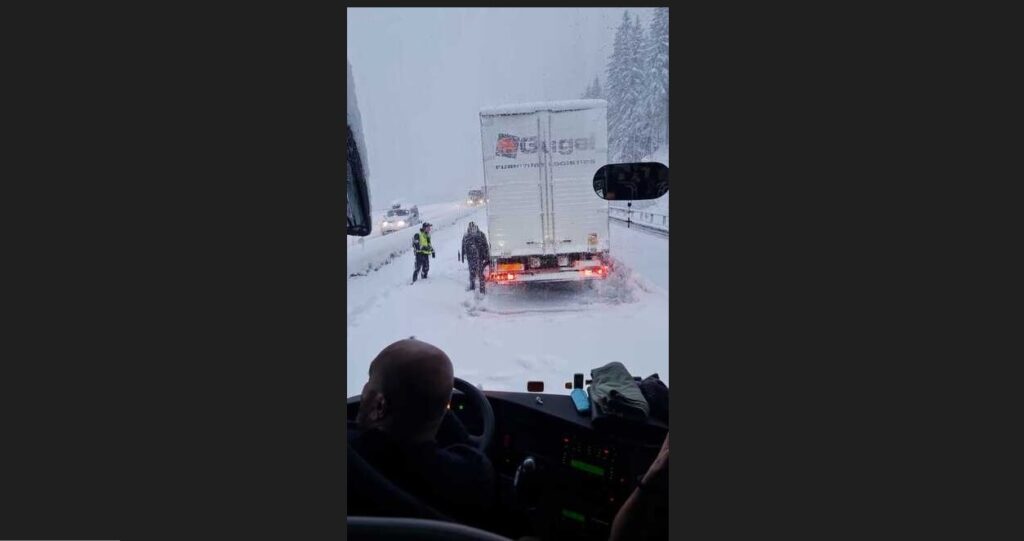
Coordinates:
(544, 221)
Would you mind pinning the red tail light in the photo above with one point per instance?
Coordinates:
(601, 271)
(503, 277)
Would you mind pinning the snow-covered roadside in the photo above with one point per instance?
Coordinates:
(646, 254)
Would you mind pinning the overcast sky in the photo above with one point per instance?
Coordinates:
(422, 75)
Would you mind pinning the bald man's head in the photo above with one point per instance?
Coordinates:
(408, 391)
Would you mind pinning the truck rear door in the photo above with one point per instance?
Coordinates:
(513, 172)
(577, 220)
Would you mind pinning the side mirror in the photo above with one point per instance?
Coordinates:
(631, 181)
(360, 221)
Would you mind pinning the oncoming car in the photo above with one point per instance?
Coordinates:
(475, 198)
(399, 218)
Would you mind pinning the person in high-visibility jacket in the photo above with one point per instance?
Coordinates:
(423, 250)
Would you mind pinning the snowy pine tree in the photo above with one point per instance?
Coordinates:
(634, 122)
(656, 57)
(637, 88)
(593, 90)
(617, 80)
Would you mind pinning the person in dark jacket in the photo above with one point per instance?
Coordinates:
(423, 250)
(476, 253)
(406, 431)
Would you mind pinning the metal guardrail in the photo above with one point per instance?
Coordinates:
(657, 231)
(656, 219)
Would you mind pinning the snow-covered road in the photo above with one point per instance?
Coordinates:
(512, 335)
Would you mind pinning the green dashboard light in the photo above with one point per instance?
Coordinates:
(573, 515)
(589, 468)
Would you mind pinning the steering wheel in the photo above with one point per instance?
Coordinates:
(477, 400)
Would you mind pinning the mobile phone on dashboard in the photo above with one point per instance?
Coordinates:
(581, 400)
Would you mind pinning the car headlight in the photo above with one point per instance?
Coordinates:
(401, 222)
(385, 224)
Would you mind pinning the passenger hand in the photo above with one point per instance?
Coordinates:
(659, 468)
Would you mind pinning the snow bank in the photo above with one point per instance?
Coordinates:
(645, 254)
(523, 108)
